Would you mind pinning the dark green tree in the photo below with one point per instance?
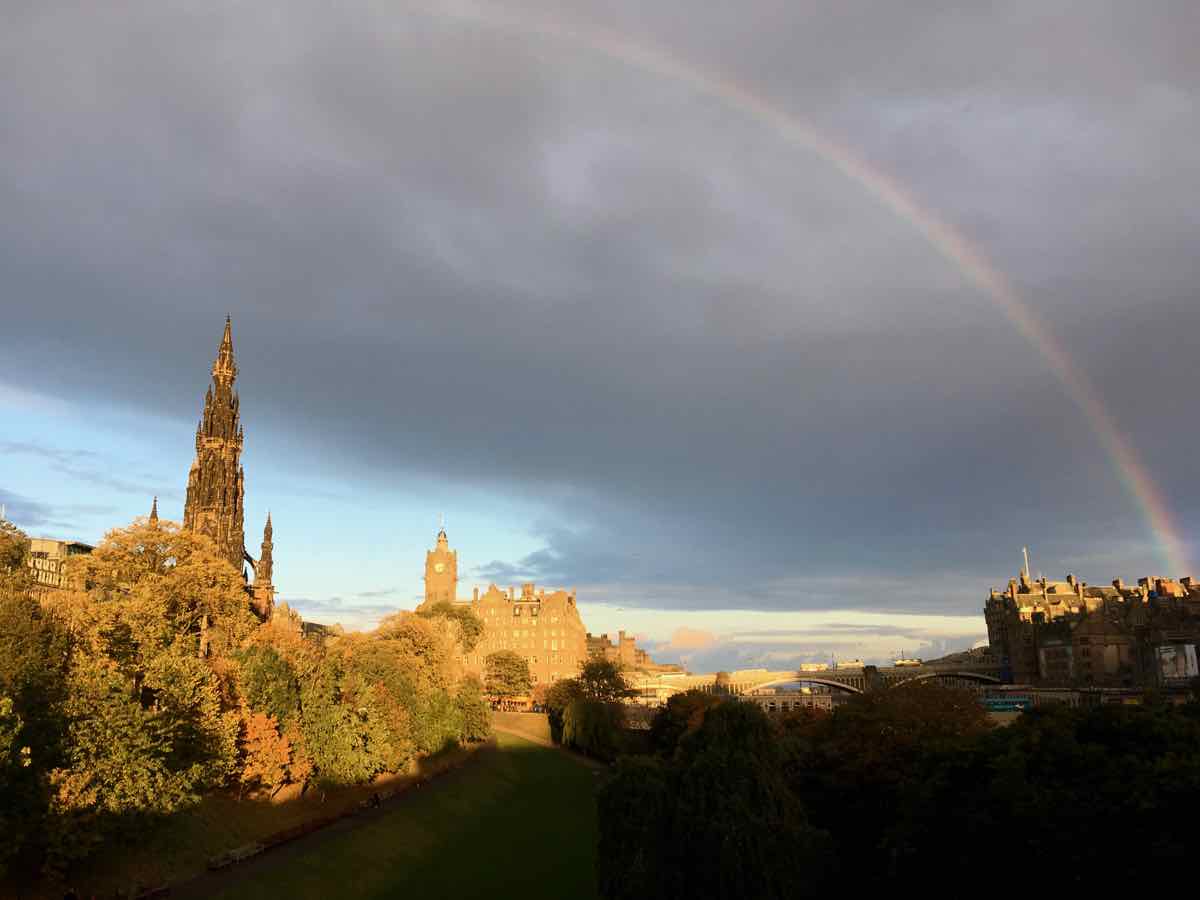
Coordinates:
(717, 820)
(267, 682)
(603, 680)
(682, 713)
(473, 710)
(592, 727)
(558, 697)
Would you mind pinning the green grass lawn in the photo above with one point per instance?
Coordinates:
(517, 821)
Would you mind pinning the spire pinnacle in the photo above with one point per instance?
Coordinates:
(224, 368)
(154, 512)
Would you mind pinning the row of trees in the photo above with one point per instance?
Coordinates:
(128, 698)
(909, 786)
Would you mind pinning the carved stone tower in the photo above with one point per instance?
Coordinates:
(441, 573)
(216, 482)
(264, 590)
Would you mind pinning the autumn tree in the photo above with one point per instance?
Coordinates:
(14, 802)
(470, 625)
(265, 753)
(147, 587)
(506, 674)
(15, 576)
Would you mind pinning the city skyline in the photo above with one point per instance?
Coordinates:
(525, 279)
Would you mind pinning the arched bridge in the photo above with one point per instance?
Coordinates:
(855, 680)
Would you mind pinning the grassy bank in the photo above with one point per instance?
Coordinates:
(181, 845)
(520, 821)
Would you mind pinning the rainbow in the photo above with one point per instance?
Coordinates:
(948, 242)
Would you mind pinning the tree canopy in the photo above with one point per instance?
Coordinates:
(470, 625)
(506, 674)
(603, 680)
(150, 682)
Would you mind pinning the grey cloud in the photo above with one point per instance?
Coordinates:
(28, 513)
(335, 610)
(726, 373)
(382, 592)
(99, 473)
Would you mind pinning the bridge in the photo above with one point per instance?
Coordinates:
(973, 675)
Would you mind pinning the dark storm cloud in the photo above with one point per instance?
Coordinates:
(719, 365)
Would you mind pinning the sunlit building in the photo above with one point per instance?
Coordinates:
(48, 558)
(1069, 633)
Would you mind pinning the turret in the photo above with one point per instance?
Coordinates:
(264, 590)
(441, 572)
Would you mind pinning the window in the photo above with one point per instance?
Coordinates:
(516, 610)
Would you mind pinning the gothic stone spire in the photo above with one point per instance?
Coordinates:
(264, 591)
(154, 512)
(216, 482)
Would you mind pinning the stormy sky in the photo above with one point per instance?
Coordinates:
(503, 261)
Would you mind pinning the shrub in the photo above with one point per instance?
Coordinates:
(592, 727)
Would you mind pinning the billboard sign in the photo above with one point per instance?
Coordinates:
(1177, 662)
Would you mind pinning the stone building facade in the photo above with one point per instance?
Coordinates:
(1071, 634)
(544, 628)
(625, 653)
(47, 558)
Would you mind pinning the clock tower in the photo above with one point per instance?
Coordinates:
(441, 573)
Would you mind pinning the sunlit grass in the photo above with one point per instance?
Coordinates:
(519, 821)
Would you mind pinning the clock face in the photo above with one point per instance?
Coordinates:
(439, 567)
